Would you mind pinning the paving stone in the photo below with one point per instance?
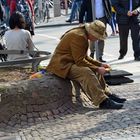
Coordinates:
(30, 120)
(9, 138)
(77, 123)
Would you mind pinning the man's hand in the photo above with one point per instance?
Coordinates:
(104, 69)
(101, 70)
(105, 65)
(129, 13)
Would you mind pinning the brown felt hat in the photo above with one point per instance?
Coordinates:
(96, 29)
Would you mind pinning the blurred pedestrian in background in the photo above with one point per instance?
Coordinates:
(102, 9)
(74, 15)
(85, 13)
(17, 38)
(13, 8)
(113, 23)
(6, 5)
(128, 18)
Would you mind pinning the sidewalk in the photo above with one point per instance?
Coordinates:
(57, 21)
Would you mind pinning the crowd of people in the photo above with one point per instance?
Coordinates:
(10, 6)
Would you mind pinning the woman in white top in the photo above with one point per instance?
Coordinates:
(17, 38)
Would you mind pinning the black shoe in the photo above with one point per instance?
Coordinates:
(101, 60)
(116, 98)
(137, 58)
(121, 57)
(68, 20)
(110, 104)
(92, 55)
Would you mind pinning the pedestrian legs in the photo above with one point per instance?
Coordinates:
(135, 39)
(123, 34)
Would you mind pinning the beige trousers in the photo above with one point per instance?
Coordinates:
(93, 84)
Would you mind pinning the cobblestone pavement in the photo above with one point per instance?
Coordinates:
(77, 122)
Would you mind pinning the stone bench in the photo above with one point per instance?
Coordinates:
(38, 56)
(49, 95)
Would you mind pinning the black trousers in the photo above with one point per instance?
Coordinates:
(135, 36)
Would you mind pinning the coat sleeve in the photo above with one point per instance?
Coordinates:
(79, 47)
(95, 62)
(119, 9)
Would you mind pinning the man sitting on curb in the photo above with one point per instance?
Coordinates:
(70, 60)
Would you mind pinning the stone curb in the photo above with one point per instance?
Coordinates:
(56, 25)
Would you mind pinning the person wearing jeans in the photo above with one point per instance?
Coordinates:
(74, 10)
(113, 23)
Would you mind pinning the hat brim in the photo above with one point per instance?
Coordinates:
(95, 34)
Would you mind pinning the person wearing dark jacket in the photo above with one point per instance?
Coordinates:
(104, 15)
(128, 18)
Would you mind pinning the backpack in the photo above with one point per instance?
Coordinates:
(23, 8)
